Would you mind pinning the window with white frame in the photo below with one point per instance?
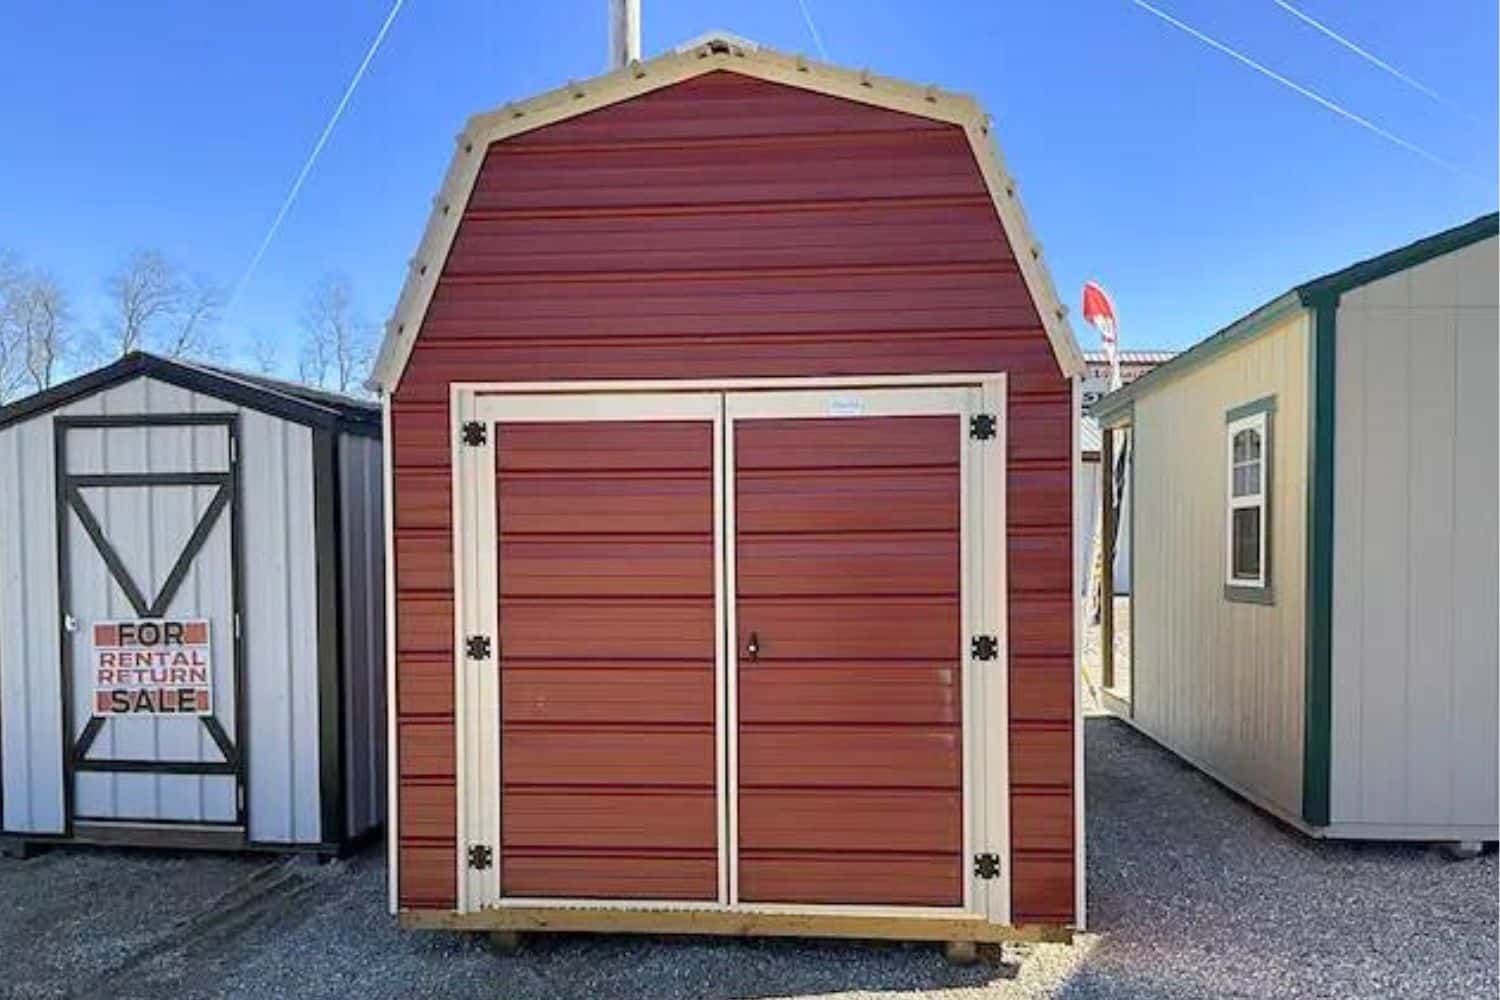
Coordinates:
(1248, 451)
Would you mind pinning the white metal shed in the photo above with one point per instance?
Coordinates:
(191, 629)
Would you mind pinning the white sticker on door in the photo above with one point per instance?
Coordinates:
(845, 406)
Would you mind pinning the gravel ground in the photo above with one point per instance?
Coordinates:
(1194, 894)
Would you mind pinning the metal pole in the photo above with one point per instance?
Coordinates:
(1107, 577)
(624, 32)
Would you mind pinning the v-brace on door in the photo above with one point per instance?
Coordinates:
(146, 511)
(733, 649)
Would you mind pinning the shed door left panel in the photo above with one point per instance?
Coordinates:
(608, 652)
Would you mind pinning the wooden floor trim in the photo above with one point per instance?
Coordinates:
(732, 923)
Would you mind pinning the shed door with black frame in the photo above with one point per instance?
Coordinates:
(146, 507)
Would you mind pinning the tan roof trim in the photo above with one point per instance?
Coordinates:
(713, 54)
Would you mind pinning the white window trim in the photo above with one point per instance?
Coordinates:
(1259, 499)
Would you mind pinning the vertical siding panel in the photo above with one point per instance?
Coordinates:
(32, 697)
(281, 630)
(1415, 652)
(1221, 682)
(1384, 624)
(302, 670)
(1431, 373)
(364, 669)
(268, 640)
(1346, 775)
(1475, 762)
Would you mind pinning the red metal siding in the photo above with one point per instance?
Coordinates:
(587, 609)
(827, 804)
(727, 227)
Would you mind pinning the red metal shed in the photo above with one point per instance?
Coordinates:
(732, 451)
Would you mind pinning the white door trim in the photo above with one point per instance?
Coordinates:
(986, 780)
(476, 603)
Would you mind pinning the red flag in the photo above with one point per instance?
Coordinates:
(1099, 312)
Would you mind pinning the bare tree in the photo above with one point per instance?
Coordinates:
(45, 319)
(264, 353)
(145, 289)
(337, 346)
(12, 341)
(34, 331)
(154, 305)
(189, 329)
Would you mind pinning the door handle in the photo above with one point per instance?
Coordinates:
(752, 648)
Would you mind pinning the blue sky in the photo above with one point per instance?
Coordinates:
(1192, 187)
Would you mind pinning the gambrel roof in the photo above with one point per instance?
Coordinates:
(716, 52)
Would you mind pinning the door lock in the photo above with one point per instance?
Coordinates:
(752, 648)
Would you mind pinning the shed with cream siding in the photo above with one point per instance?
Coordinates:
(1347, 679)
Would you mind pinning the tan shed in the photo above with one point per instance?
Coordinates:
(1314, 588)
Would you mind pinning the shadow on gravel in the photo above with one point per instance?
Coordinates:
(1196, 892)
(689, 968)
(1193, 893)
(136, 924)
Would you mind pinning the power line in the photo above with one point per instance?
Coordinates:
(1370, 57)
(1337, 109)
(312, 157)
(813, 28)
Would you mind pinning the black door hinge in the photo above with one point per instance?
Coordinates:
(480, 856)
(987, 865)
(982, 426)
(477, 647)
(984, 647)
(474, 433)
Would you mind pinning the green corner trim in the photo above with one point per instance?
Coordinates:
(1317, 723)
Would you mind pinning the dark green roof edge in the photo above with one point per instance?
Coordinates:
(1309, 294)
(1335, 284)
(1250, 325)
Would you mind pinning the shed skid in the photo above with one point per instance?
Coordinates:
(585, 919)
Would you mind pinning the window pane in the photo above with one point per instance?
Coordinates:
(1245, 545)
(1247, 479)
(1241, 446)
(1253, 445)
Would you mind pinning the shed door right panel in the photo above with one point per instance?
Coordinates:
(847, 619)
